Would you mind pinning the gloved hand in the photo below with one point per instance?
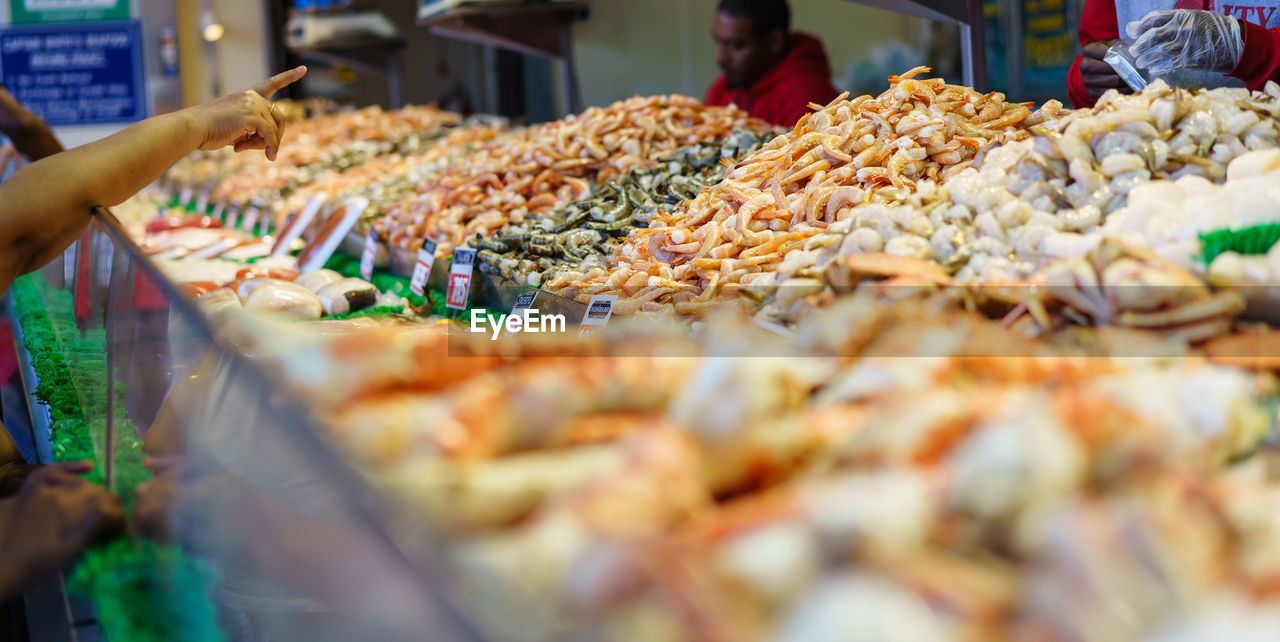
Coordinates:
(1186, 39)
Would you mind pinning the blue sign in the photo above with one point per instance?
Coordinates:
(71, 74)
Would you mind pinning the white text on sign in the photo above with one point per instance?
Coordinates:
(528, 321)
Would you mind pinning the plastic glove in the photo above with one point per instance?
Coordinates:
(1186, 39)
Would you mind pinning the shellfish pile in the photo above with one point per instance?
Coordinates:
(784, 197)
(1047, 197)
(547, 166)
(968, 498)
(390, 178)
(581, 236)
(314, 146)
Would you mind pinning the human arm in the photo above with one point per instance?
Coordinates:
(46, 205)
(13, 468)
(332, 558)
(1260, 61)
(30, 135)
(49, 521)
(1090, 76)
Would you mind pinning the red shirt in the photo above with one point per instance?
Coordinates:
(782, 95)
(1259, 63)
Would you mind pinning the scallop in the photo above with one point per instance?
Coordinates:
(347, 295)
(314, 281)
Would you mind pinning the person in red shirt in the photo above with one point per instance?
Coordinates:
(1239, 40)
(769, 71)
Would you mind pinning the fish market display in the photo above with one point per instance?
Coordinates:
(547, 166)
(784, 197)
(989, 380)
(581, 236)
(824, 488)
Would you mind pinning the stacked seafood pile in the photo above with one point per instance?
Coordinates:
(1097, 219)
(784, 197)
(548, 166)
(951, 496)
(390, 178)
(1048, 197)
(331, 142)
(581, 236)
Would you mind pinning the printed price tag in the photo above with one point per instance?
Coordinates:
(186, 195)
(250, 218)
(296, 224)
(459, 286)
(523, 302)
(219, 209)
(332, 231)
(202, 203)
(69, 264)
(422, 269)
(598, 312)
(211, 250)
(370, 254)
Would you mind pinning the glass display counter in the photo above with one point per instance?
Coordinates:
(296, 546)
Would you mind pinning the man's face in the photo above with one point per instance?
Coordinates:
(744, 55)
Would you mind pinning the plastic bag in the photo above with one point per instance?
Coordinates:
(1122, 61)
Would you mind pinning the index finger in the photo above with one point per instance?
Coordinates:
(270, 86)
(1096, 49)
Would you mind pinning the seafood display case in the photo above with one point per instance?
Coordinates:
(932, 418)
(280, 540)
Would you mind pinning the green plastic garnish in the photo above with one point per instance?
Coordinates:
(1252, 240)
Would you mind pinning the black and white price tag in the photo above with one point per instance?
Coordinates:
(523, 302)
(422, 269)
(369, 255)
(459, 286)
(599, 309)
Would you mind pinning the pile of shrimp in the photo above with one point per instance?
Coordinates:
(390, 178)
(547, 166)
(784, 197)
(332, 141)
(994, 488)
